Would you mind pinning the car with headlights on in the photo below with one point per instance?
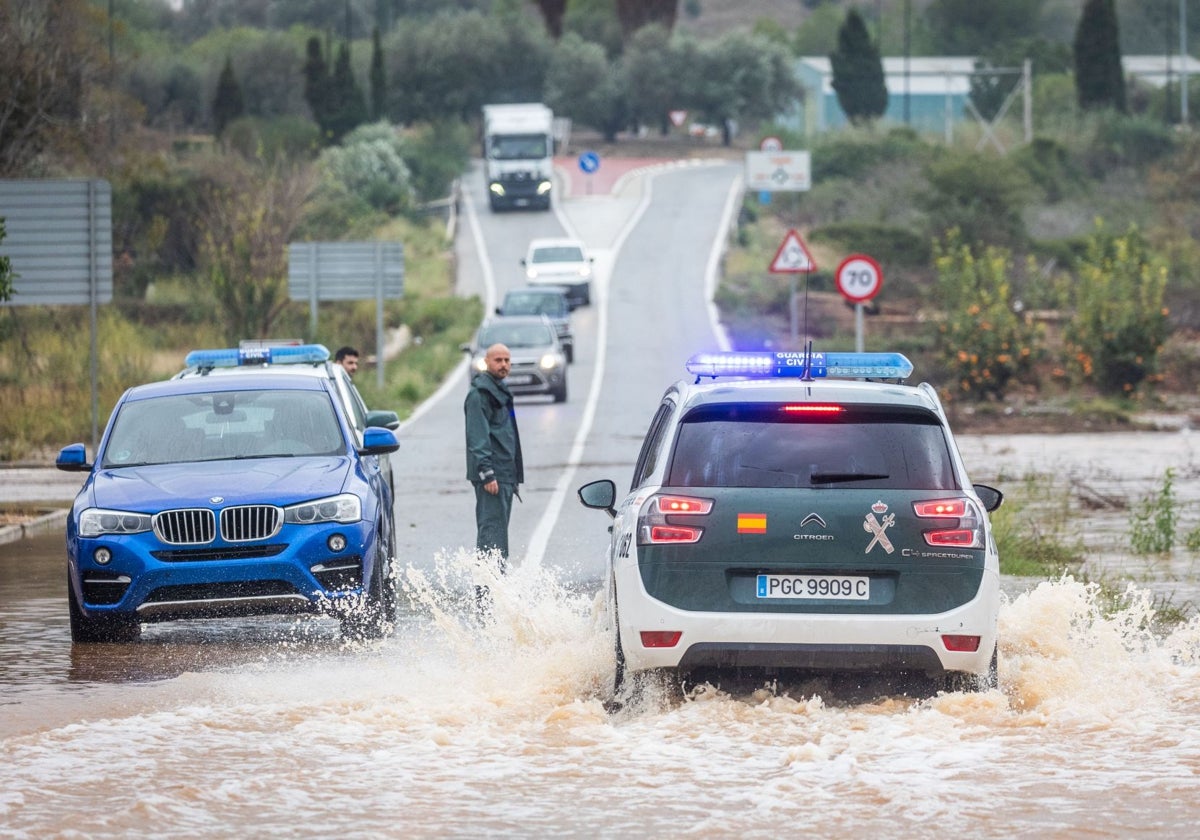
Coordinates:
(802, 512)
(539, 364)
(550, 301)
(215, 495)
(560, 261)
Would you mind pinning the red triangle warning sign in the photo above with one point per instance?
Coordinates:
(793, 256)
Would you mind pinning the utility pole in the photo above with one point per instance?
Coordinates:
(907, 50)
(1183, 64)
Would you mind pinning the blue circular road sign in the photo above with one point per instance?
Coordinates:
(589, 162)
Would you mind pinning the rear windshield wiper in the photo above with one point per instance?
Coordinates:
(836, 477)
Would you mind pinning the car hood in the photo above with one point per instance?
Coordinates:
(279, 481)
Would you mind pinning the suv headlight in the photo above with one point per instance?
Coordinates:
(342, 508)
(96, 521)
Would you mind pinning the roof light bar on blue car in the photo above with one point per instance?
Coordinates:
(797, 363)
(294, 354)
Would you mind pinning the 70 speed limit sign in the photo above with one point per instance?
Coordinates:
(859, 278)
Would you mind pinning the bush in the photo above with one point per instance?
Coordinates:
(983, 343)
(978, 194)
(1120, 323)
(889, 244)
(370, 164)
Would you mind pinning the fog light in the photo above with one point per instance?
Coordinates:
(336, 543)
(102, 556)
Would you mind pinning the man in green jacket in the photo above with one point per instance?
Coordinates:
(494, 464)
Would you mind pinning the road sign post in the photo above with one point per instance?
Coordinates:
(859, 278)
(793, 258)
(589, 162)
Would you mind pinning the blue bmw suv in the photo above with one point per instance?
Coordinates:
(214, 495)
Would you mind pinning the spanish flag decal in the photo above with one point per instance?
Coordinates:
(752, 523)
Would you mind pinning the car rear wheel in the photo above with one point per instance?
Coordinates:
(569, 352)
(971, 683)
(106, 629)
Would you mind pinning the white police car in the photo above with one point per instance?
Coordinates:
(229, 495)
(784, 516)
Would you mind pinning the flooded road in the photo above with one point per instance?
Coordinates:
(450, 727)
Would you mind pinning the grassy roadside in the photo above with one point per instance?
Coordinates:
(45, 351)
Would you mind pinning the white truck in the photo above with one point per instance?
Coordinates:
(518, 149)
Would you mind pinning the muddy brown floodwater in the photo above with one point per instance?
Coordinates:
(449, 727)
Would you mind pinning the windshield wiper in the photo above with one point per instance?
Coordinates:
(836, 477)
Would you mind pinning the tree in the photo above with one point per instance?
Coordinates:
(651, 77)
(316, 83)
(969, 27)
(48, 62)
(583, 85)
(858, 72)
(348, 106)
(634, 14)
(228, 104)
(1099, 77)
(552, 13)
(739, 77)
(247, 217)
(378, 79)
(6, 272)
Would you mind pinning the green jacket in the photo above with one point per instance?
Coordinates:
(493, 442)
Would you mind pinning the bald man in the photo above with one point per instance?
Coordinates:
(494, 465)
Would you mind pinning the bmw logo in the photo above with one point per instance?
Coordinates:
(216, 500)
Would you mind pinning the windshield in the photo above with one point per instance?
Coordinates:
(517, 335)
(558, 253)
(221, 425)
(518, 146)
(762, 446)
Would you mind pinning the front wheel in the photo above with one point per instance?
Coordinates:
(374, 616)
(106, 629)
(560, 393)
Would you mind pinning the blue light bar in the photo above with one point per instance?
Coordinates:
(796, 363)
(295, 354)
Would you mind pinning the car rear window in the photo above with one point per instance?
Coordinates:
(766, 446)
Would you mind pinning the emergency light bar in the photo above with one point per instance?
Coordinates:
(797, 363)
(295, 354)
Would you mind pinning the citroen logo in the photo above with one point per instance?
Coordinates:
(216, 500)
(813, 519)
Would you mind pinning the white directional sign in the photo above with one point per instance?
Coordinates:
(793, 256)
(859, 278)
(778, 171)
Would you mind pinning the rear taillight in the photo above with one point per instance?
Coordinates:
(666, 519)
(962, 526)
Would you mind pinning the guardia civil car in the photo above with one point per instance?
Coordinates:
(243, 486)
(802, 511)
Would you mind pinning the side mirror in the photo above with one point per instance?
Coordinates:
(522, 261)
(73, 458)
(990, 496)
(466, 348)
(383, 419)
(378, 441)
(600, 495)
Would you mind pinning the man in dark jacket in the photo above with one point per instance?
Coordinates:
(494, 464)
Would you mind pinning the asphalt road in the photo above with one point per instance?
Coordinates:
(653, 240)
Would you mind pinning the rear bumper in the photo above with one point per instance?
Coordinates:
(825, 642)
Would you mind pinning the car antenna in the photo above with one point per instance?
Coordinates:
(808, 377)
